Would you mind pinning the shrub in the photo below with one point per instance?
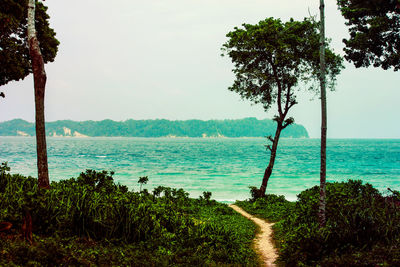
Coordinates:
(270, 207)
(169, 225)
(359, 218)
(362, 226)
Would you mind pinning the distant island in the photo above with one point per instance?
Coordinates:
(247, 127)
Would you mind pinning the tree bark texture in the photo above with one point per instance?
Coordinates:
(39, 77)
(268, 170)
(322, 200)
(27, 227)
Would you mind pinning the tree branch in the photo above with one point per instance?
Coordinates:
(287, 122)
(289, 103)
(287, 100)
(268, 147)
(278, 82)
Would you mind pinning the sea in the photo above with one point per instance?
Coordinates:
(224, 166)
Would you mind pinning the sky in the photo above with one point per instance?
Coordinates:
(159, 59)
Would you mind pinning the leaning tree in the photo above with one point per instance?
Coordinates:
(272, 60)
(26, 43)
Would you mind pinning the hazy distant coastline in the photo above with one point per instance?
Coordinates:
(247, 127)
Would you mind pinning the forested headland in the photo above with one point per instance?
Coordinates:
(248, 127)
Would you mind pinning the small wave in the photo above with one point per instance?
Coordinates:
(372, 173)
(170, 173)
(101, 156)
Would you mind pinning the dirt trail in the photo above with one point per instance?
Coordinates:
(263, 239)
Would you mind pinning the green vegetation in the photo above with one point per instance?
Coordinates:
(374, 32)
(273, 60)
(362, 227)
(14, 48)
(26, 43)
(90, 220)
(249, 127)
(270, 207)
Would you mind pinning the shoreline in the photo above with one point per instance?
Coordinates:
(154, 137)
(205, 138)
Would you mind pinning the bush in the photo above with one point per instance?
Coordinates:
(359, 219)
(170, 226)
(362, 226)
(270, 207)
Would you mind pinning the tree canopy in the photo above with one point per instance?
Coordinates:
(374, 32)
(270, 59)
(273, 56)
(14, 48)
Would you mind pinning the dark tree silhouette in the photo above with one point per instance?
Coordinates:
(14, 47)
(374, 27)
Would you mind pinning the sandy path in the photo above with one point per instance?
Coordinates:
(263, 239)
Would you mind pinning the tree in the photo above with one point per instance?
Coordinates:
(322, 194)
(270, 59)
(23, 26)
(374, 28)
(143, 180)
(14, 47)
(39, 77)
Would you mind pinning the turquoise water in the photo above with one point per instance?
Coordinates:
(224, 166)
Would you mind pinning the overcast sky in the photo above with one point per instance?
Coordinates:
(130, 59)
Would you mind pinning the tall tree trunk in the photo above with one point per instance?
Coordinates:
(322, 197)
(39, 77)
(268, 170)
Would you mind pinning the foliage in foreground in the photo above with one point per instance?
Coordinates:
(160, 228)
(362, 226)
